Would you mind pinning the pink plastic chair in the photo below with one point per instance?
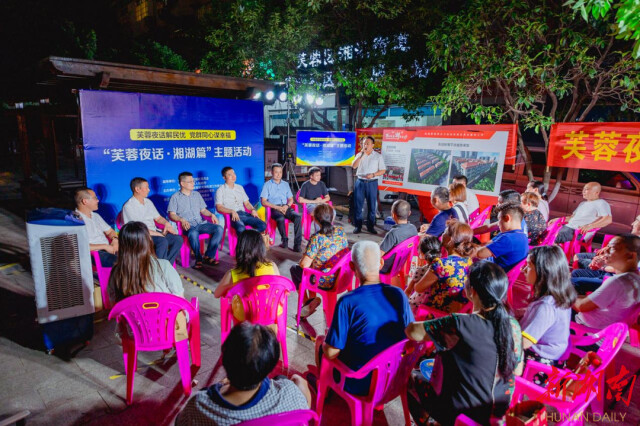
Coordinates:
(261, 297)
(391, 369)
(606, 239)
(289, 418)
(307, 218)
(151, 318)
(103, 278)
(119, 221)
(474, 214)
(463, 420)
(271, 224)
(185, 250)
(519, 293)
(344, 278)
(480, 218)
(582, 242)
(612, 337)
(424, 311)
(403, 254)
(634, 329)
(230, 232)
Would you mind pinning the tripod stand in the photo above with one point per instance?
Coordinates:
(291, 173)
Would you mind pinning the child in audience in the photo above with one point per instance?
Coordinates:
(618, 298)
(429, 249)
(545, 325)
(511, 245)
(458, 195)
(249, 354)
(441, 287)
(536, 225)
(137, 270)
(440, 200)
(400, 232)
(477, 355)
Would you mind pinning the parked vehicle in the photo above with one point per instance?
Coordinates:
(620, 189)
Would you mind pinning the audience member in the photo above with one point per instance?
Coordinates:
(618, 298)
(231, 199)
(314, 191)
(323, 251)
(277, 196)
(441, 287)
(139, 208)
(543, 205)
(545, 325)
(440, 200)
(593, 213)
(187, 207)
(458, 195)
(367, 320)
(369, 165)
(249, 355)
(592, 268)
(511, 245)
(138, 271)
(477, 355)
(471, 198)
(507, 196)
(536, 225)
(400, 232)
(102, 237)
(251, 261)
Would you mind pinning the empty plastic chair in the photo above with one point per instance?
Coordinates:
(403, 253)
(264, 300)
(391, 369)
(480, 218)
(151, 318)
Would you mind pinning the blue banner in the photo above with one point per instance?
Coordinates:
(318, 148)
(159, 136)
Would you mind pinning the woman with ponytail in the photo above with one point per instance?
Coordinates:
(442, 287)
(323, 251)
(477, 355)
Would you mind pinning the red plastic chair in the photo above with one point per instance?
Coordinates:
(103, 278)
(612, 337)
(262, 299)
(403, 254)
(185, 250)
(344, 278)
(391, 369)
(151, 318)
(271, 224)
(289, 418)
(307, 218)
(480, 218)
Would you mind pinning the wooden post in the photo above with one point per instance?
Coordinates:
(52, 152)
(23, 139)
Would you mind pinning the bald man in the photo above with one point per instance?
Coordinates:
(593, 213)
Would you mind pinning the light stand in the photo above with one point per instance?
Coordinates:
(288, 156)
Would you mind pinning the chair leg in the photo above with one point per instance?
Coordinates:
(320, 397)
(130, 362)
(182, 352)
(367, 413)
(194, 342)
(185, 254)
(405, 407)
(300, 298)
(634, 335)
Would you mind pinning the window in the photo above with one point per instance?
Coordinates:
(606, 178)
(142, 10)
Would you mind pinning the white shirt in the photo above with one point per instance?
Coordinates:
(543, 206)
(462, 212)
(231, 198)
(370, 164)
(618, 300)
(588, 211)
(96, 227)
(145, 212)
(472, 201)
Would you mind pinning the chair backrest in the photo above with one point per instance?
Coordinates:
(261, 296)
(606, 239)
(614, 337)
(152, 317)
(288, 418)
(119, 221)
(403, 252)
(480, 218)
(392, 368)
(515, 271)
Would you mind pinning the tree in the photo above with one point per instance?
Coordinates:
(530, 62)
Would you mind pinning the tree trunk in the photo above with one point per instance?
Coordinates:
(557, 186)
(526, 156)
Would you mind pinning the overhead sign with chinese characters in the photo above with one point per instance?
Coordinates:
(600, 146)
(159, 136)
(418, 161)
(323, 148)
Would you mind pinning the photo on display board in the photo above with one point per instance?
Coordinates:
(394, 174)
(480, 168)
(429, 166)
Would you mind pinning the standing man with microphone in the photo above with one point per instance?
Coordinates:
(369, 165)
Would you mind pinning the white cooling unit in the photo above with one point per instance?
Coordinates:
(61, 267)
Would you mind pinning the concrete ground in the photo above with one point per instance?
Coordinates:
(86, 385)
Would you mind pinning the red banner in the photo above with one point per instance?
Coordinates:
(512, 142)
(600, 146)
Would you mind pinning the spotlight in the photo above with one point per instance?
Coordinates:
(282, 96)
(257, 96)
(309, 98)
(270, 95)
(319, 100)
(297, 99)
